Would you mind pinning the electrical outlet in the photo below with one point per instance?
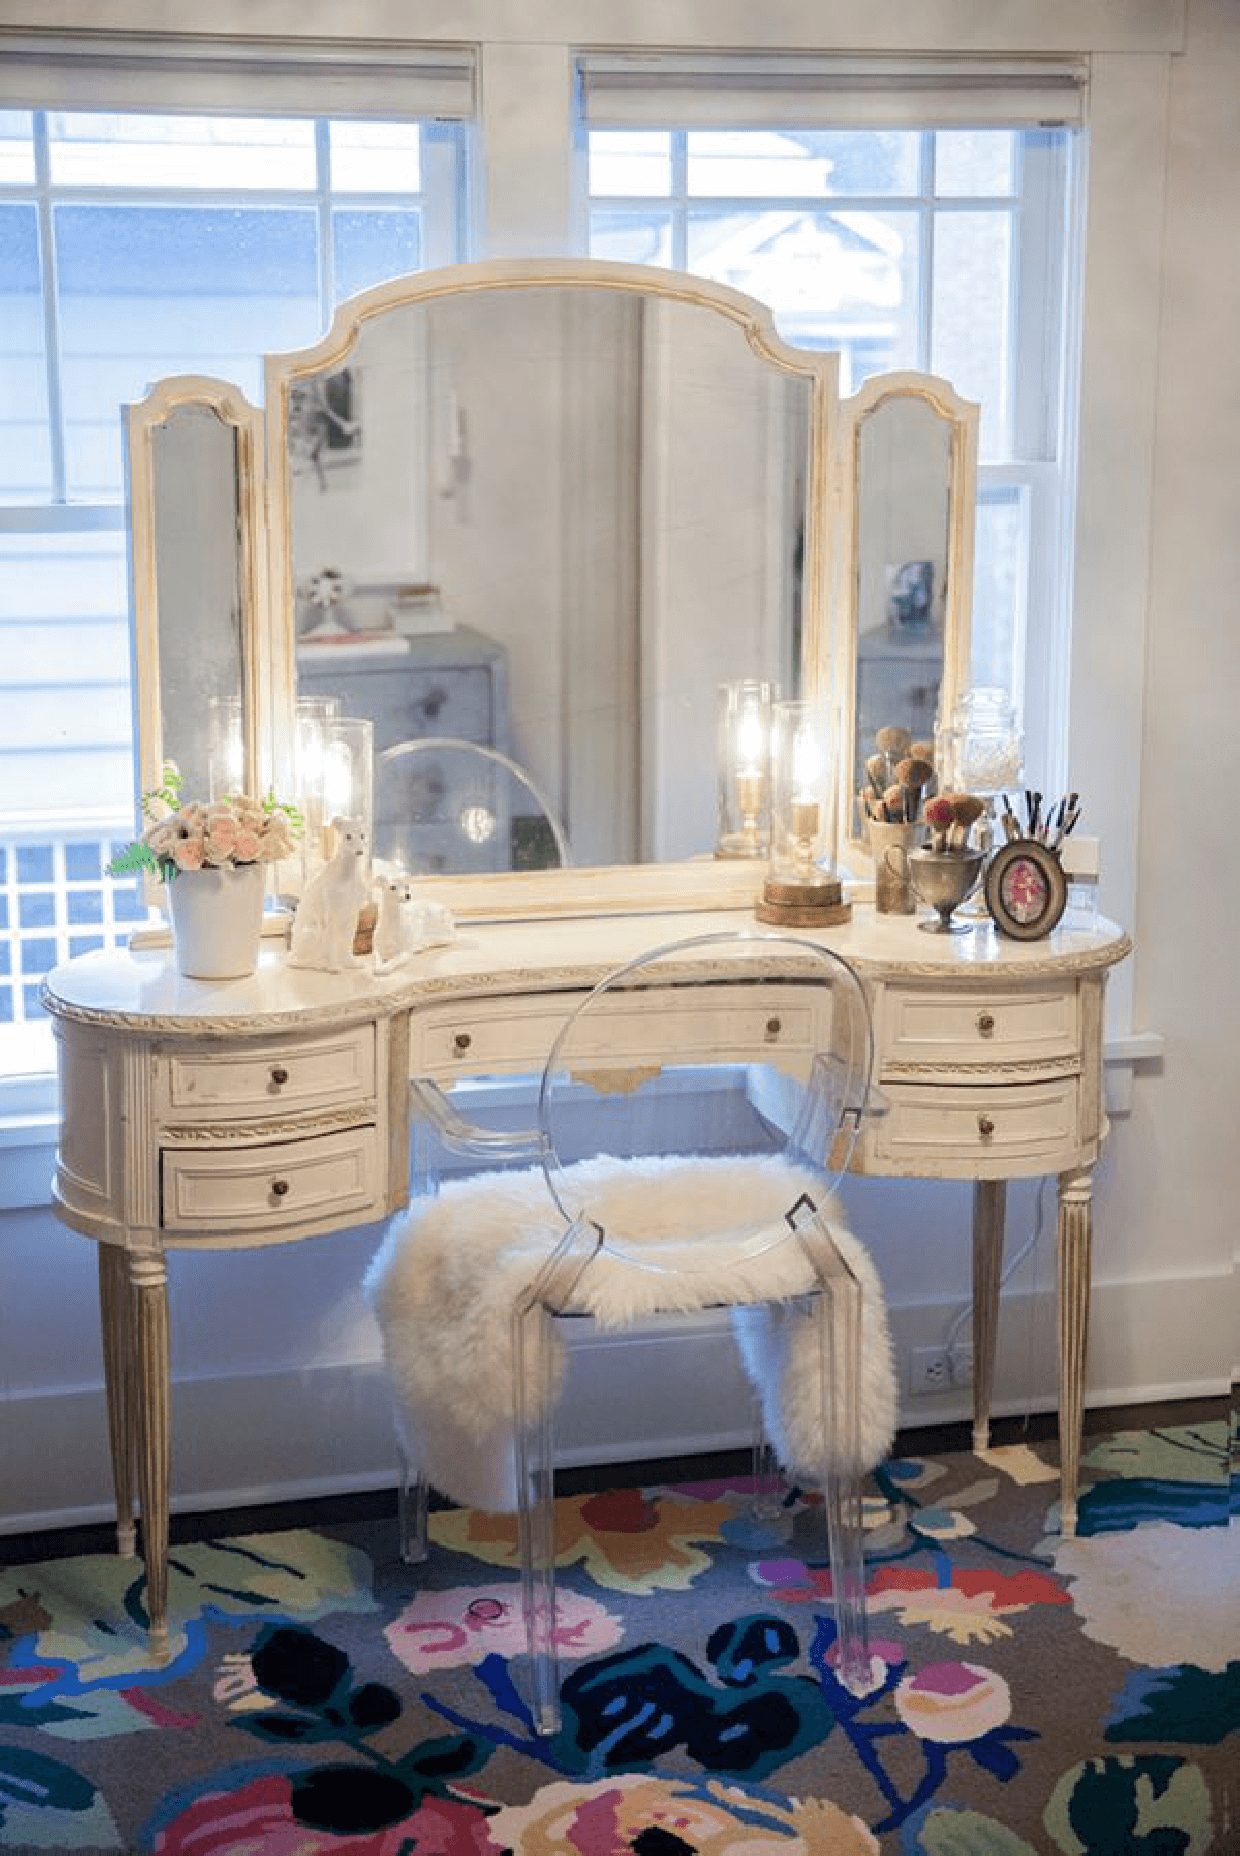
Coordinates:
(929, 1371)
(960, 1360)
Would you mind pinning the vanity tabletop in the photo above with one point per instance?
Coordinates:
(141, 986)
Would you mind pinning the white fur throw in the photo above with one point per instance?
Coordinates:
(444, 1285)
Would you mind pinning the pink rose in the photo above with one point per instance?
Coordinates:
(221, 839)
(248, 847)
(188, 853)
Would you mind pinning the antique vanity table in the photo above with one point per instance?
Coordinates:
(627, 482)
(271, 1109)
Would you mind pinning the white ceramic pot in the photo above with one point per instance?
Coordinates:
(217, 920)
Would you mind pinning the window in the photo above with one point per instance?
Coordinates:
(136, 244)
(927, 225)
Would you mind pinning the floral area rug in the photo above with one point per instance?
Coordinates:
(1028, 1693)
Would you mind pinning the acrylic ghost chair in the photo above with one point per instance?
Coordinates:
(696, 1178)
(448, 806)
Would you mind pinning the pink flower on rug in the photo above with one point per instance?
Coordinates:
(457, 1628)
(953, 1702)
(259, 1817)
(701, 1819)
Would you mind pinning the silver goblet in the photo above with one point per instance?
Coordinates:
(942, 880)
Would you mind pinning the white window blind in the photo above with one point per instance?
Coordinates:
(106, 71)
(636, 91)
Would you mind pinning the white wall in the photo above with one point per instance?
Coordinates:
(1152, 681)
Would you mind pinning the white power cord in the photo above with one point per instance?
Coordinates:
(1009, 1269)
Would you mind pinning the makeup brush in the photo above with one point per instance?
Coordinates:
(924, 750)
(1011, 824)
(967, 808)
(939, 818)
(893, 803)
(893, 743)
(877, 769)
(914, 776)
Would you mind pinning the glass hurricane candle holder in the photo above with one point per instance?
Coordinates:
(226, 771)
(801, 889)
(311, 719)
(744, 758)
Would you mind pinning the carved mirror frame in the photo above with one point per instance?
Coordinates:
(264, 567)
(884, 392)
(152, 591)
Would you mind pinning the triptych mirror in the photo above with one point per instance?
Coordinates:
(548, 509)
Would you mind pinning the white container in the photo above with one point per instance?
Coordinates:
(217, 920)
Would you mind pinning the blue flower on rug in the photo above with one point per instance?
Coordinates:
(79, 1661)
(45, 1805)
(320, 1703)
(752, 1714)
(1188, 1706)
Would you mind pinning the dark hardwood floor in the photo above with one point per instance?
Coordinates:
(380, 1504)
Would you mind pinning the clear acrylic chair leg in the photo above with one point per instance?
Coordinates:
(535, 1478)
(534, 1447)
(766, 1521)
(839, 1334)
(412, 1495)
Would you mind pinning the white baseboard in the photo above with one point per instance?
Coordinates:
(293, 1434)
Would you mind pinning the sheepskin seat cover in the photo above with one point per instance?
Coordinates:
(446, 1280)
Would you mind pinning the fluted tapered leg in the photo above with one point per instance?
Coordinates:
(116, 1328)
(149, 1280)
(989, 1212)
(1074, 1279)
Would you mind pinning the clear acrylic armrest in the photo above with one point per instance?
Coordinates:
(428, 1102)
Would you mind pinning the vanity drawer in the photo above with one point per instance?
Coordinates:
(940, 1029)
(473, 1039)
(693, 1023)
(291, 1182)
(947, 1131)
(301, 1073)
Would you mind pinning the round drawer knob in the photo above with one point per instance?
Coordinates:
(985, 1126)
(279, 1075)
(773, 1027)
(461, 1042)
(278, 1188)
(986, 1024)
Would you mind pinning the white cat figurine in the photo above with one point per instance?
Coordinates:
(326, 918)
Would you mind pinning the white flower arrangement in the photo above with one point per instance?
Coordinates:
(207, 835)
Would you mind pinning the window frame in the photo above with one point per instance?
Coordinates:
(681, 93)
(164, 79)
(525, 201)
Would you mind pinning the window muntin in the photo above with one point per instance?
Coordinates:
(136, 244)
(943, 249)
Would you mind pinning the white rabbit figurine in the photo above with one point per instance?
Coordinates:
(326, 918)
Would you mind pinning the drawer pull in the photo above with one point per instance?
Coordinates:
(461, 1042)
(985, 1126)
(986, 1024)
(773, 1027)
(279, 1075)
(278, 1188)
